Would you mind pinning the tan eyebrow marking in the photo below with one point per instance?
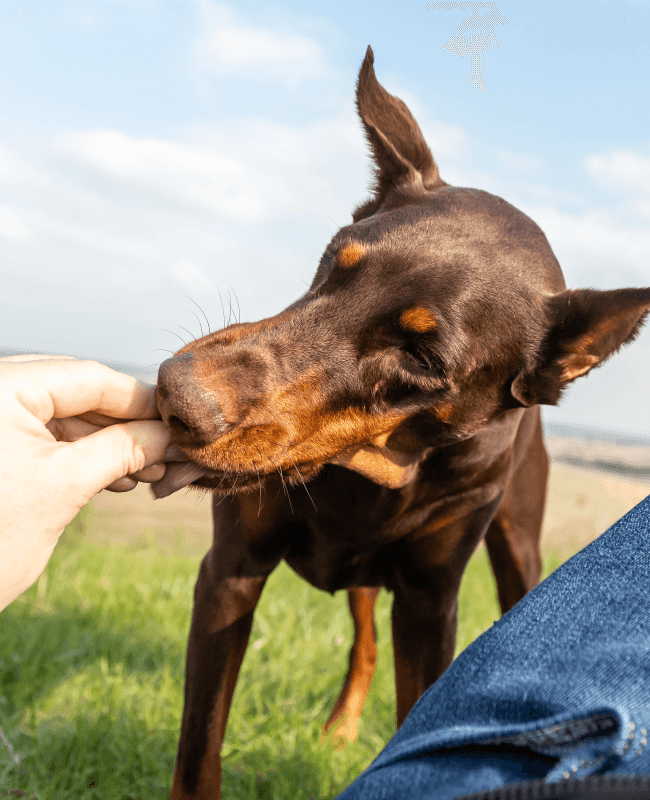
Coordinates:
(418, 320)
(350, 255)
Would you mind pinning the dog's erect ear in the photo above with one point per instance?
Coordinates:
(401, 154)
(586, 327)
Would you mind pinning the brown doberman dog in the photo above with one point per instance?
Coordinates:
(378, 429)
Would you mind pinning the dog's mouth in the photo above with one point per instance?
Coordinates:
(182, 471)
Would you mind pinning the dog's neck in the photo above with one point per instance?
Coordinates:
(382, 465)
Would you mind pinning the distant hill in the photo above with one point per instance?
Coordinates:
(579, 446)
(586, 433)
(591, 448)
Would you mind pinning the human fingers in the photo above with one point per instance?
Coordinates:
(150, 474)
(102, 459)
(67, 387)
(71, 428)
(146, 475)
(90, 416)
(74, 428)
(124, 484)
(101, 420)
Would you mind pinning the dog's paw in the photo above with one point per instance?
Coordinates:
(341, 736)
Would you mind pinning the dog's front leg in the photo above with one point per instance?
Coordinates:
(426, 583)
(221, 624)
(228, 588)
(424, 635)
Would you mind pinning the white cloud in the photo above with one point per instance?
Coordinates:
(127, 221)
(642, 208)
(241, 173)
(12, 225)
(595, 247)
(228, 45)
(200, 178)
(626, 172)
(179, 203)
(603, 244)
(189, 274)
(14, 171)
(622, 169)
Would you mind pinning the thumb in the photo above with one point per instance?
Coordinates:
(94, 462)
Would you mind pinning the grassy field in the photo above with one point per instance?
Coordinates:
(92, 664)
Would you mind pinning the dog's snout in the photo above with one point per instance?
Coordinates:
(190, 412)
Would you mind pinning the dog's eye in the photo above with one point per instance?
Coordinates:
(417, 355)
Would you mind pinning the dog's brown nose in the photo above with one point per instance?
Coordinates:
(189, 411)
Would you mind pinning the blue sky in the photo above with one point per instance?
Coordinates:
(153, 149)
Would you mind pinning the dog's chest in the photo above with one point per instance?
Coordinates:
(339, 562)
(348, 539)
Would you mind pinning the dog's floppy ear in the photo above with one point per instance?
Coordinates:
(400, 152)
(586, 326)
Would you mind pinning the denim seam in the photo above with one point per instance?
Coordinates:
(642, 742)
(542, 739)
(590, 764)
(629, 738)
(427, 741)
(587, 764)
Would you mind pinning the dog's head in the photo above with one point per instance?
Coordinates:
(435, 311)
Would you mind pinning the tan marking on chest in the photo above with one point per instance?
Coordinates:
(381, 465)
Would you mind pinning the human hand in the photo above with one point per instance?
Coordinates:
(62, 440)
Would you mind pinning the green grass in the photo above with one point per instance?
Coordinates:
(92, 665)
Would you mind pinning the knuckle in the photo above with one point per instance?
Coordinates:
(134, 456)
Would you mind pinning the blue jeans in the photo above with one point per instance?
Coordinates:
(559, 687)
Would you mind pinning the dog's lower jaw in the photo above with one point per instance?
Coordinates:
(381, 465)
